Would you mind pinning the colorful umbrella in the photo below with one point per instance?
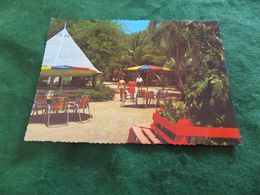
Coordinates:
(66, 71)
(60, 71)
(147, 68)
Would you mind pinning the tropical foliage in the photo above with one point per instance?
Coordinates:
(100, 94)
(140, 50)
(195, 52)
(174, 110)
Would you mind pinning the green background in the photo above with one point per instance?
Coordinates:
(55, 168)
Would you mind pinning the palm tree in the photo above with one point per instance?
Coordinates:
(141, 51)
(173, 37)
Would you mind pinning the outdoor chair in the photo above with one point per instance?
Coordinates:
(83, 103)
(148, 98)
(40, 104)
(160, 96)
(59, 104)
(140, 93)
(164, 96)
(126, 97)
(71, 95)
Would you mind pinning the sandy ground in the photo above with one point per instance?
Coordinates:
(110, 124)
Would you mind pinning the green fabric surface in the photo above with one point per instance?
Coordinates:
(56, 168)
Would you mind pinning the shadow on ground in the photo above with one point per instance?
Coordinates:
(58, 118)
(142, 106)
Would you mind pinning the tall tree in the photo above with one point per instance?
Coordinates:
(140, 50)
(172, 36)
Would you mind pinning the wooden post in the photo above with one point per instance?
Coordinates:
(60, 82)
(51, 83)
(147, 77)
(94, 81)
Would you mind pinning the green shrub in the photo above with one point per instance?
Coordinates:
(100, 94)
(174, 110)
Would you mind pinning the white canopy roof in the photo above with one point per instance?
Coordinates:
(62, 51)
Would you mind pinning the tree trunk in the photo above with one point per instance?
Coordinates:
(177, 61)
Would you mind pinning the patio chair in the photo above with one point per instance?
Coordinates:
(140, 94)
(160, 96)
(165, 96)
(126, 97)
(71, 95)
(148, 98)
(40, 104)
(83, 103)
(58, 104)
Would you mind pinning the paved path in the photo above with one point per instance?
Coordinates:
(109, 124)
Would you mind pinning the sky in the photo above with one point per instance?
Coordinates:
(133, 26)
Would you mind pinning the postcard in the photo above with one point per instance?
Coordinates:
(133, 82)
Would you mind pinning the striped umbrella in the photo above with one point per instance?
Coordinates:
(147, 68)
(66, 71)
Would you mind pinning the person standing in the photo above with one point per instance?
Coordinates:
(121, 86)
(49, 95)
(131, 88)
(139, 82)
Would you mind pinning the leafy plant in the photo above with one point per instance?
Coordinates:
(174, 110)
(100, 94)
